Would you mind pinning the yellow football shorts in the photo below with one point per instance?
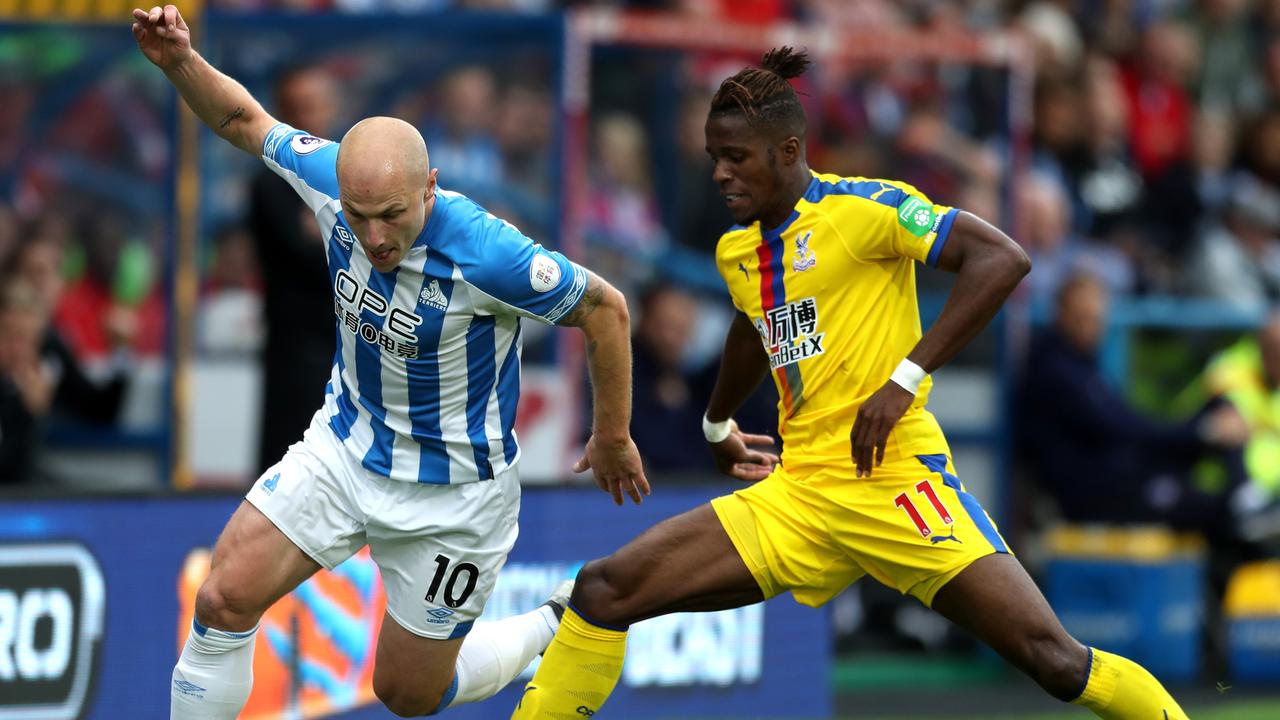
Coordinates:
(911, 525)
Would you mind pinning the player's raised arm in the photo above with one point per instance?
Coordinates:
(610, 453)
(988, 265)
(743, 366)
(222, 103)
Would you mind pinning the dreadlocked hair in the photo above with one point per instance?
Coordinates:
(763, 95)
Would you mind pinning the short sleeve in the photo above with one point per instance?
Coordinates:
(905, 223)
(521, 274)
(308, 163)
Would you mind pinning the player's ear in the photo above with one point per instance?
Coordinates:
(791, 150)
(431, 184)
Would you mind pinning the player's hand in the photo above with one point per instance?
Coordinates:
(162, 35)
(616, 466)
(735, 458)
(876, 418)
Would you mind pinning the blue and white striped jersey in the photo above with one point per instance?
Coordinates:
(427, 372)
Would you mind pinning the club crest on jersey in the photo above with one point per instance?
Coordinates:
(433, 296)
(790, 332)
(804, 258)
(304, 144)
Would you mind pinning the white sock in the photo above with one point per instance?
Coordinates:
(213, 676)
(494, 653)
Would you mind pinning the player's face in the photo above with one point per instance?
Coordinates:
(387, 220)
(746, 167)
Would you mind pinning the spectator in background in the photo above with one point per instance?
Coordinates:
(1056, 252)
(1237, 260)
(1227, 53)
(623, 225)
(1160, 106)
(297, 356)
(666, 401)
(1108, 187)
(35, 268)
(1215, 146)
(702, 214)
(26, 391)
(1054, 35)
(525, 133)
(1059, 134)
(461, 136)
(114, 305)
(670, 396)
(1097, 457)
(1247, 375)
(229, 319)
(40, 378)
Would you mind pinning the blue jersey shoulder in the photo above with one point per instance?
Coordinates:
(301, 157)
(495, 257)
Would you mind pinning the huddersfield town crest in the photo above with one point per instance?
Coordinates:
(432, 295)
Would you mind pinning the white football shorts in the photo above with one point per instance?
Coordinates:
(439, 547)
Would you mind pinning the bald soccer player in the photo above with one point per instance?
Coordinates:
(413, 452)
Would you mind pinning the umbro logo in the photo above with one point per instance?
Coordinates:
(433, 296)
(439, 616)
(343, 236)
(188, 688)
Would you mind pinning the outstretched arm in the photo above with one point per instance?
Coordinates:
(222, 103)
(610, 453)
(743, 366)
(988, 266)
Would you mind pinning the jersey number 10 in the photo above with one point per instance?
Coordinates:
(450, 599)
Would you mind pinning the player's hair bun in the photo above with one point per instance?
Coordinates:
(786, 62)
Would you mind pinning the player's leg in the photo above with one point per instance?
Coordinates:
(254, 564)
(686, 563)
(298, 517)
(411, 676)
(440, 549)
(995, 599)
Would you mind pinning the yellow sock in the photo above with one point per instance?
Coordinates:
(577, 673)
(1120, 689)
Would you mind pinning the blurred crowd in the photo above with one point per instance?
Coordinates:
(78, 305)
(1153, 168)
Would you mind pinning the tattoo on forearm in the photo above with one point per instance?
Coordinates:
(591, 349)
(591, 299)
(233, 115)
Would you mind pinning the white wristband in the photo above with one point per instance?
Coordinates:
(908, 376)
(716, 431)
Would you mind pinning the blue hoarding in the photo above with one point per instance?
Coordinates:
(95, 597)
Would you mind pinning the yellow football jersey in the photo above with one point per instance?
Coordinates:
(832, 292)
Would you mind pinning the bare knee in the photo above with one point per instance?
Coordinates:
(603, 594)
(404, 700)
(1056, 662)
(224, 607)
